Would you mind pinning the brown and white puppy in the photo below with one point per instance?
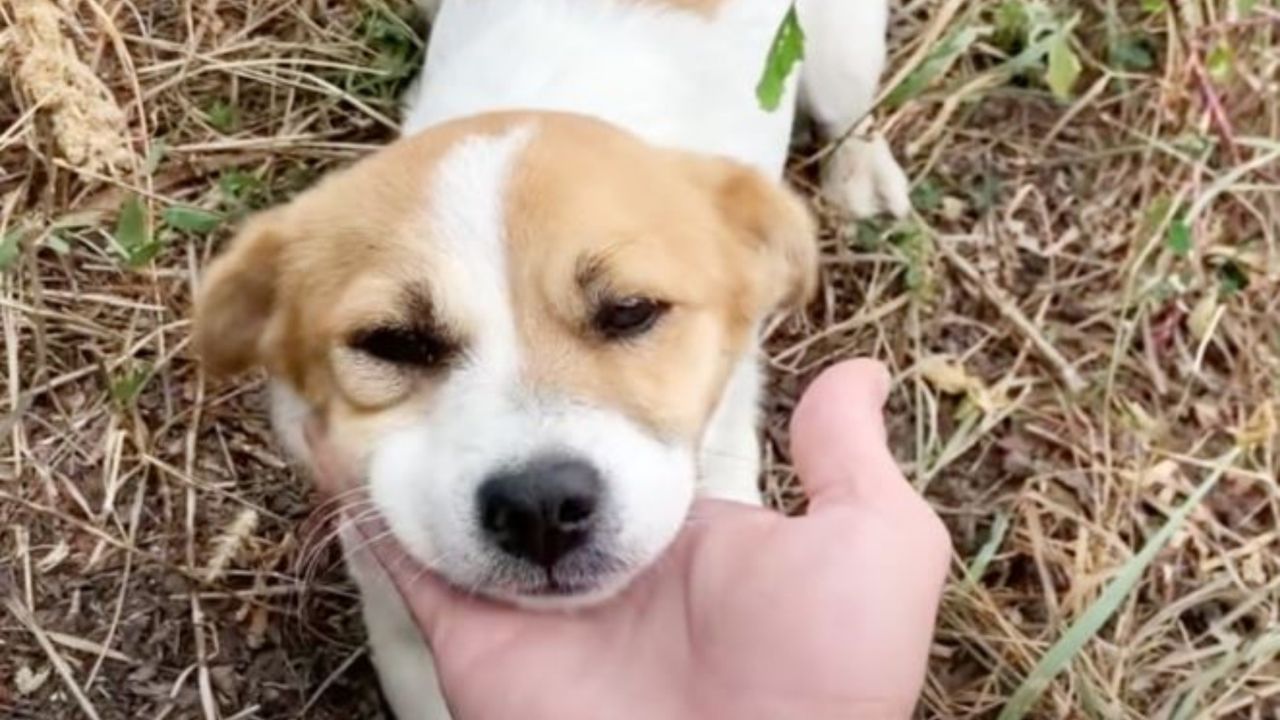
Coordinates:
(534, 320)
(507, 294)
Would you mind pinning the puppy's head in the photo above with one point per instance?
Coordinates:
(520, 325)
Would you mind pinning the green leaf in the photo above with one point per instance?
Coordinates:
(1155, 6)
(1178, 238)
(396, 52)
(786, 51)
(1220, 62)
(144, 255)
(125, 389)
(394, 42)
(133, 236)
(1064, 67)
(869, 234)
(223, 116)
(131, 227)
(913, 245)
(10, 248)
(1011, 18)
(926, 196)
(239, 187)
(1011, 23)
(191, 219)
(935, 65)
(1231, 279)
(1098, 613)
(1132, 52)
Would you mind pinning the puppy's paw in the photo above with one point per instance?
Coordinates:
(863, 178)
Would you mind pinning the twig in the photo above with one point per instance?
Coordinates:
(998, 297)
(333, 676)
(59, 663)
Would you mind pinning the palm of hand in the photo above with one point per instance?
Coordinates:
(802, 622)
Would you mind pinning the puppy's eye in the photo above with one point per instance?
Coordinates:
(627, 317)
(404, 346)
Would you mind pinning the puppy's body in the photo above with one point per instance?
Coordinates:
(675, 77)
(678, 74)
(637, 166)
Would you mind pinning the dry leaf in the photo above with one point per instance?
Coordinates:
(1260, 428)
(1252, 571)
(1207, 414)
(28, 682)
(1201, 319)
(54, 557)
(1144, 423)
(256, 635)
(953, 208)
(949, 377)
(1161, 474)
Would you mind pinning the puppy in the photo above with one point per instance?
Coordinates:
(533, 321)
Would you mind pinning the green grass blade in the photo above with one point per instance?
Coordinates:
(999, 529)
(1088, 624)
(935, 65)
(1262, 649)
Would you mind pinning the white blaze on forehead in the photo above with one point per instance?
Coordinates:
(467, 216)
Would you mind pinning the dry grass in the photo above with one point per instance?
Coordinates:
(1083, 318)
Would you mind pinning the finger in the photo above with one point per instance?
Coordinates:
(838, 439)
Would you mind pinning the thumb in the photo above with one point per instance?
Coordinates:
(838, 439)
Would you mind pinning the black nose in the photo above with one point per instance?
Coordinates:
(541, 510)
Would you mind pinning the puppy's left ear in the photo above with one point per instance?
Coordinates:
(237, 304)
(776, 228)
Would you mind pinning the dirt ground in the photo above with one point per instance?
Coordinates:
(1082, 317)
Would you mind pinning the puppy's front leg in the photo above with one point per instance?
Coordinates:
(844, 57)
(399, 653)
(729, 461)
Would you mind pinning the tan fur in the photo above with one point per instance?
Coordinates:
(684, 229)
(719, 242)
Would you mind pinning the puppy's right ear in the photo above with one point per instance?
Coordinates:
(238, 298)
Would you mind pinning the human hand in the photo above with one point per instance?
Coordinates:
(749, 614)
